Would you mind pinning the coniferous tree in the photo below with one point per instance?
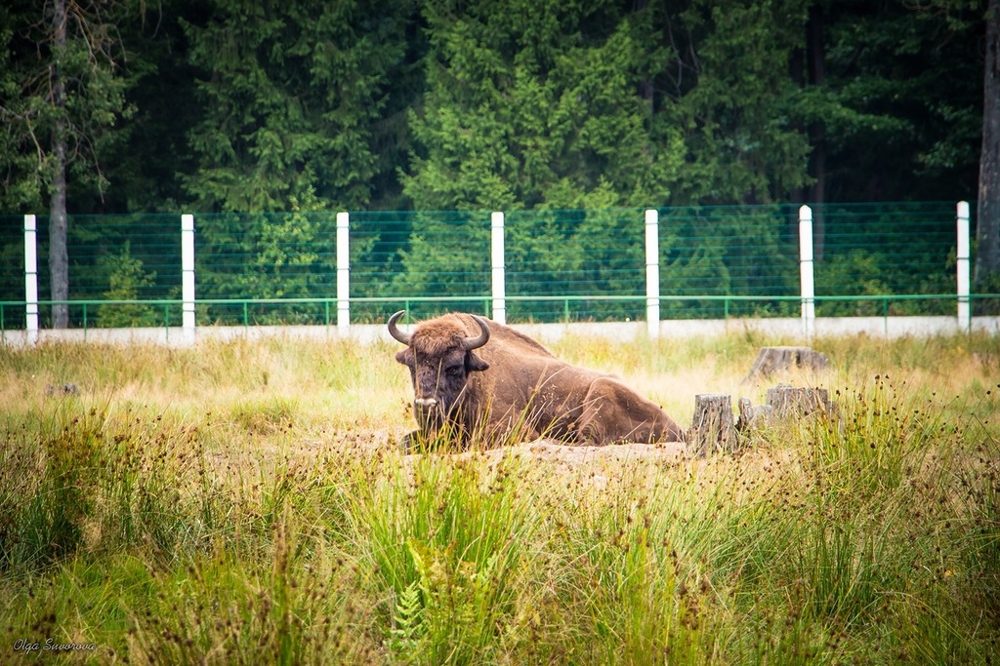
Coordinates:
(732, 91)
(63, 93)
(537, 106)
(540, 107)
(293, 95)
(290, 92)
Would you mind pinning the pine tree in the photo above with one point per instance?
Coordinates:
(291, 93)
(538, 106)
(63, 92)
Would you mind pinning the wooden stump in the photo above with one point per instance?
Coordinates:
(786, 400)
(712, 425)
(750, 416)
(774, 359)
(713, 429)
(63, 389)
(750, 421)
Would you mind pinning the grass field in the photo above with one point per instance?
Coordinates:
(246, 503)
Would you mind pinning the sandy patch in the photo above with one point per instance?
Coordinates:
(578, 455)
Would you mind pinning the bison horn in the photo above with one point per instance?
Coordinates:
(394, 330)
(481, 339)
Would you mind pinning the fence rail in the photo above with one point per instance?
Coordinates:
(327, 315)
(333, 269)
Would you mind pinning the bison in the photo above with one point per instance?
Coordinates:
(473, 377)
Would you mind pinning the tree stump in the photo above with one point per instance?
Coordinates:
(774, 359)
(63, 389)
(750, 416)
(749, 422)
(786, 400)
(712, 425)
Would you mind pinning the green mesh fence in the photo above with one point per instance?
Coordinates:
(12, 272)
(576, 265)
(901, 249)
(266, 268)
(723, 261)
(123, 270)
(425, 262)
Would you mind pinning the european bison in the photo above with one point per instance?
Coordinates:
(477, 377)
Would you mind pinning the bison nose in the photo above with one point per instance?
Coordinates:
(426, 402)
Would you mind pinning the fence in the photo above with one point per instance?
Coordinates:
(541, 266)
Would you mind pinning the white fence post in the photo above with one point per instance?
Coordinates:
(962, 266)
(31, 277)
(343, 274)
(497, 261)
(187, 277)
(808, 287)
(653, 273)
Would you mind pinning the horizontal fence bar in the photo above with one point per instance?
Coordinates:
(486, 297)
(519, 297)
(568, 301)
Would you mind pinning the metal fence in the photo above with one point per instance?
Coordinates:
(576, 265)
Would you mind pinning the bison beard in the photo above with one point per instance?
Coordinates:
(477, 378)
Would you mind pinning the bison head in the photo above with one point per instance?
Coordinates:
(439, 354)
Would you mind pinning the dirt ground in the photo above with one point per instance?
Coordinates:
(574, 456)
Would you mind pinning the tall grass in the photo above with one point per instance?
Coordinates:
(245, 503)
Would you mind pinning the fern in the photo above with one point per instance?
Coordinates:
(407, 635)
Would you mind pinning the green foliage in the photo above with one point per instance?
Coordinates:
(529, 106)
(447, 254)
(990, 285)
(856, 273)
(267, 256)
(126, 279)
(873, 251)
(229, 106)
(290, 102)
(726, 251)
(742, 140)
(87, 481)
(88, 121)
(554, 253)
(535, 107)
(452, 554)
(409, 632)
(902, 88)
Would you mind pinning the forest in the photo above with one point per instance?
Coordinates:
(302, 107)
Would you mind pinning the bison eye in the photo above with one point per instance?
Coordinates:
(454, 371)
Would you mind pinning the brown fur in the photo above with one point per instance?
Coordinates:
(525, 390)
(435, 337)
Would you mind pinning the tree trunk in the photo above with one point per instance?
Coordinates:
(777, 359)
(58, 225)
(786, 400)
(988, 208)
(58, 254)
(817, 134)
(712, 426)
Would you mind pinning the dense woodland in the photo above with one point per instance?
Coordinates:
(219, 106)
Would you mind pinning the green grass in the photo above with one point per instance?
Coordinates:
(244, 503)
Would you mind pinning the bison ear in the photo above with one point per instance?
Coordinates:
(405, 357)
(473, 362)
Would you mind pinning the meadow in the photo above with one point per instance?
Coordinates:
(247, 503)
